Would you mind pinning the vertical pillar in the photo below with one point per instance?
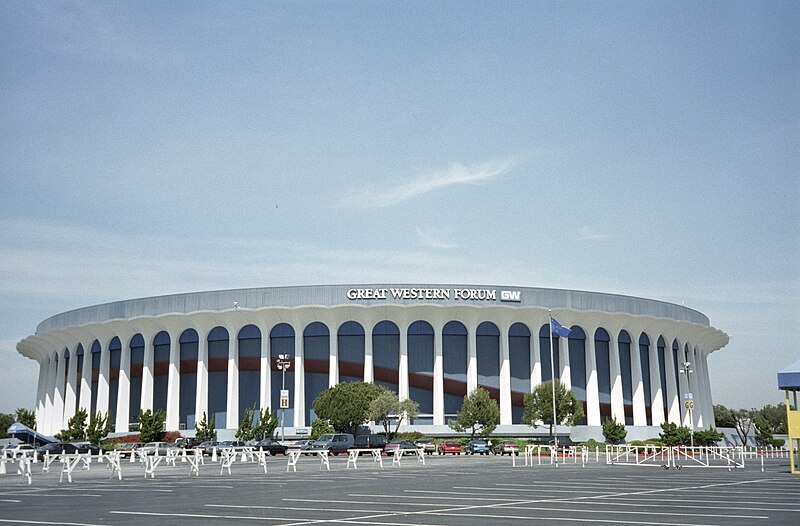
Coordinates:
(58, 399)
(708, 402)
(147, 373)
(173, 381)
(536, 360)
(232, 409)
(40, 394)
(265, 386)
(505, 378)
(657, 401)
(438, 378)
(369, 364)
(592, 385)
(564, 373)
(201, 389)
(617, 399)
(70, 398)
(333, 356)
(674, 415)
(299, 374)
(472, 359)
(103, 379)
(50, 387)
(402, 383)
(86, 380)
(637, 383)
(123, 386)
(685, 386)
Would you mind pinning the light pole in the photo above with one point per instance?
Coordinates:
(689, 402)
(283, 364)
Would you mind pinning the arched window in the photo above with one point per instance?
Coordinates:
(601, 344)
(79, 376)
(95, 376)
(386, 355)
(519, 356)
(350, 340)
(114, 355)
(316, 364)
(137, 365)
(187, 344)
(544, 353)
(644, 357)
(624, 347)
(488, 355)
(454, 356)
(661, 345)
(218, 354)
(577, 366)
(160, 371)
(281, 342)
(249, 369)
(420, 369)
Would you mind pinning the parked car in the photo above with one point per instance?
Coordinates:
(18, 450)
(426, 445)
(271, 447)
(56, 448)
(450, 446)
(155, 448)
(478, 446)
(369, 442)
(302, 445)
(208, 447)
(394, 445)
(186, 442)
(507, 446)
(334, 442)
(129, 446)
(236, 445)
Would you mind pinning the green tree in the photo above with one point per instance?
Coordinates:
(479, 414)
(387, 407)
(320, 427)
(267, 423)
(724, 417)
(6, 419)
(707, 437)
(151, 425)
(763, 430)
(246, 430)
(613, 431)
(539, 406)
(346, 406)
(98, 429)
(204, 430)
(25, 417)
(76, 427)
(674, 435)
(775, 416)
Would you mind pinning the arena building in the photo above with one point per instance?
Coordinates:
(217, 353)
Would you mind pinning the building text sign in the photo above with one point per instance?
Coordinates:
(435, 294)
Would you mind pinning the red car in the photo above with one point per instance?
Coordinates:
(450, 446)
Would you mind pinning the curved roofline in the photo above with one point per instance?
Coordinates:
(336, 295)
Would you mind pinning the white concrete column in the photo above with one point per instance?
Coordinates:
(673, 402)
(564, 374)
(232, 409)
(536, 360)
(70, 398)
(58, 399)
(333, 356)
(697, 388)
(173, 381)
(657, 402)
(438, 377)
(505, 377)
(472, 358)
(147, 373)
(86, 380)
(266, 372)
(299, 380)
(684, 387)
(103, 381)
(122, 419)
(402, 380)
(637, 384)
(50, 389)
(617, 399)
(708, 404)
(369, 361)
(201, 389)
(592, 385)
(40, 394)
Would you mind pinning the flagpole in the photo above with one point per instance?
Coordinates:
(553, 383)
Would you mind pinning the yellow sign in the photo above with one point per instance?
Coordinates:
(284, 403)
(689, 405)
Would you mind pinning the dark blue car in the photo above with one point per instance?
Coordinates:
(477, 446)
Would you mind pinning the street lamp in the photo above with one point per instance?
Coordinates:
(689, 402)
(283, 363)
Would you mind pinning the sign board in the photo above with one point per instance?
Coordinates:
(302, 431)
(688, 396)
(689, 404)
(284, 398)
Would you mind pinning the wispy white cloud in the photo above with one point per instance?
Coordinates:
(590, 233)
(455, 174)
(433, 238)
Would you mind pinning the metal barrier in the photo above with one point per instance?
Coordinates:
(676, 457)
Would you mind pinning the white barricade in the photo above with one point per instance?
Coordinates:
(294, 456)
(398, 454)
(195, 458)
(227, 457)
(353, 455)
(150, 463)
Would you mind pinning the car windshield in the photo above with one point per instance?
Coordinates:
(325, 438)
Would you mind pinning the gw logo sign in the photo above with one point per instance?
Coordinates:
(510, 295)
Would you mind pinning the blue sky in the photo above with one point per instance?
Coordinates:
(646, 148)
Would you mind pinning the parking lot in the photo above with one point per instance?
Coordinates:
(445, 491)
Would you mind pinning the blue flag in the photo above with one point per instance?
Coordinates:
(558, 329)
